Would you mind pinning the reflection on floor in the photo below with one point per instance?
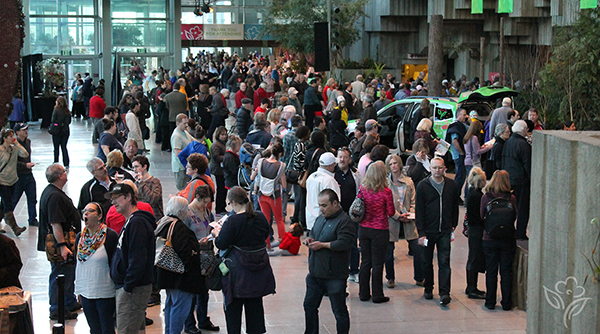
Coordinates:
(407, 311)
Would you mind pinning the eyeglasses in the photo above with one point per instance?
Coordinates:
(113, 199)
(88, 211)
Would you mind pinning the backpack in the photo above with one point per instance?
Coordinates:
(152, 96)
(247, 155)
(500, 218)
(266, 185)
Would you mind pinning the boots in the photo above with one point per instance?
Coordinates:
(9, 218)
(472, 291)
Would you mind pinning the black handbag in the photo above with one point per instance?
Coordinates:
(292, 176)
(54, 128)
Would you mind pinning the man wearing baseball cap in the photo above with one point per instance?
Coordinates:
(132, 267)
(322, 179)
(26, 182)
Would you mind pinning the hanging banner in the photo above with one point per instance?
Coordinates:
(191, 32)
(588, 4)
(505, 6)
(476, 6)
(224, 32)
(253, 32)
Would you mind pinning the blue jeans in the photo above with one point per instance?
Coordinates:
(315, 290)
(200, 304)
(417, 252)
(177, 309)
(26, 183)
(467, 171)
(461, 171)
(442, 242)
(354, 255)
(69, 271)
(390, 274)
(99, 314)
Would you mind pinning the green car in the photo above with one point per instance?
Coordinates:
(395, 118)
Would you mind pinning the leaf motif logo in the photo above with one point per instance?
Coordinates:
(574, 309)
(189, 35)
(554, 299)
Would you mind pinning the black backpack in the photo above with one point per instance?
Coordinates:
(500, 215)
(152, 96)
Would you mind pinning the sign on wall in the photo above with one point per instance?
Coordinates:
(192, 32)
(223, 32)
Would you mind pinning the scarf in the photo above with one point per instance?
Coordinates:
(89, 243)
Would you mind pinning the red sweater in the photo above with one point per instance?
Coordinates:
(291, 243)
(97, 106)
(116, 221)
(378, 207)
(238, 98)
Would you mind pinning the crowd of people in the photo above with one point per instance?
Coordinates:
(288, 138)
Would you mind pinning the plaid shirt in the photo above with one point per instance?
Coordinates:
(289, 141)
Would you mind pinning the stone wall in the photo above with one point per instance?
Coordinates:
(565, 197)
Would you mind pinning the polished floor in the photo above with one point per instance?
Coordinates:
(407, 311)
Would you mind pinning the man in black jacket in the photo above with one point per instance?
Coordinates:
(132, 267)
(94, 189)
(501, 134)
(330, 241)
(369, 111)
(436, 217)
(244, 118)
(516, 160)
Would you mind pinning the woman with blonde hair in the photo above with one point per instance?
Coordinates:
(498, 252)
(273, 118)
(424, 132)
(404, 193)
(476, 259)
(61, 116)
(373, 231)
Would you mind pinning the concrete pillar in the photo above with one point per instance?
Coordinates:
(106, 48)
(562, 295)
(435, 57)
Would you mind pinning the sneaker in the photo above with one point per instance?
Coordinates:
(353, 278)
(428, 295)
(68, 316)
(445, 300)
(210, 327)
(391, 283)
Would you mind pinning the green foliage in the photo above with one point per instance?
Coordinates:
(127, 36)
(376, 69)
(291, 22)
(570, 82)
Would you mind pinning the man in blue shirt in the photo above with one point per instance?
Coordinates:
(455, 134)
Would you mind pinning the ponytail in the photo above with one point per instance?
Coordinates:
(239, 196)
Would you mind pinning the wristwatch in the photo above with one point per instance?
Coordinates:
(60, 244)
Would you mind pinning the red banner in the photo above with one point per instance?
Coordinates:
(191, 32)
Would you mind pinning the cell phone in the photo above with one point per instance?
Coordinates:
(425, 242)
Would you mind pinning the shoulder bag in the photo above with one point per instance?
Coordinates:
(54, 128)
(357, 209)
(53, 252)
(304, 174)
(168, 258)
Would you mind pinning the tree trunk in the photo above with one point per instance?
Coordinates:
(435, 57)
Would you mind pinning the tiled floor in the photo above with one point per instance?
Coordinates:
(407, 311)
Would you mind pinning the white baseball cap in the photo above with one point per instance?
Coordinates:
(327, 159)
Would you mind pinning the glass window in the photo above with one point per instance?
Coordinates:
(252, 16)
(138, 9)
(191, 18)
(224, 18)
(131, 36)
(61, 7)
(53, 35)
(402, 108)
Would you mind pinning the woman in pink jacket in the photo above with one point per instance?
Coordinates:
(373, 231)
